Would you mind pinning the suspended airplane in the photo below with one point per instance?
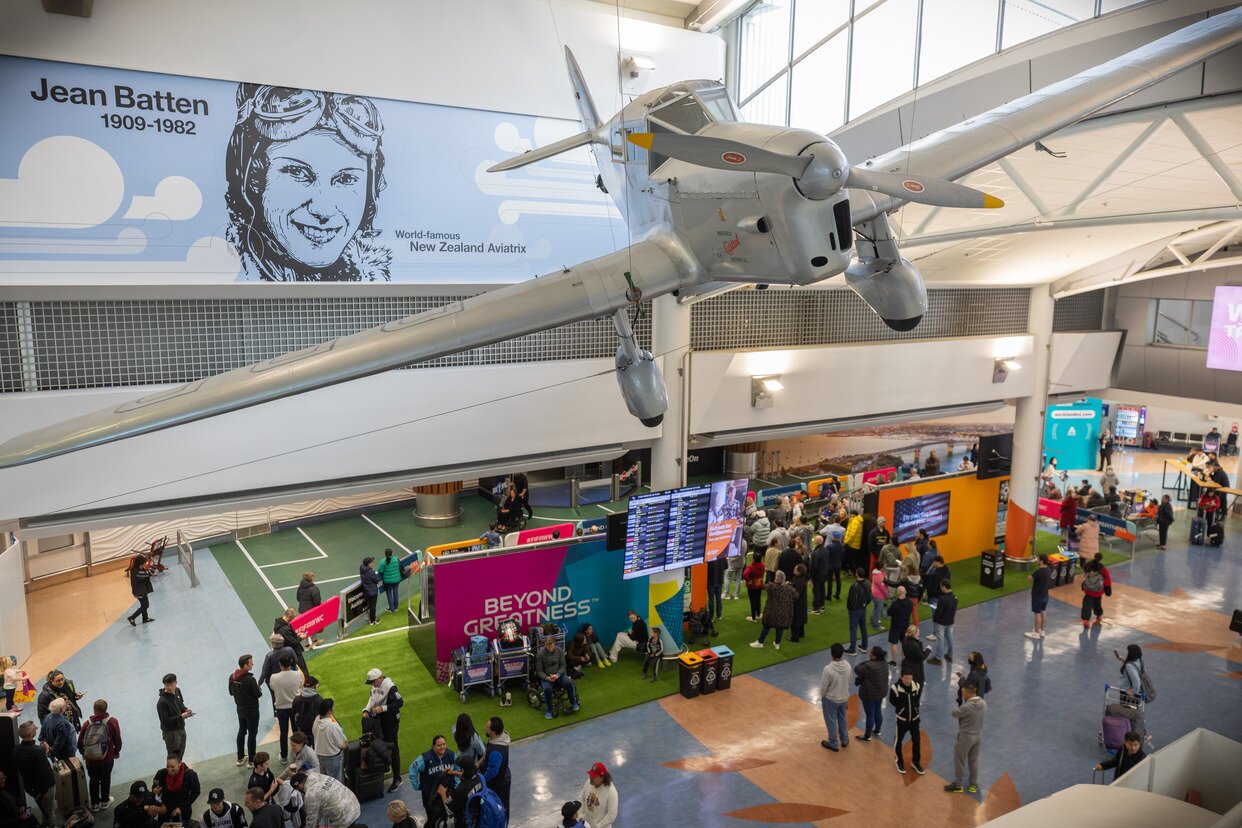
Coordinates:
(710, 201)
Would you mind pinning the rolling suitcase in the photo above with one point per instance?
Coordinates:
(1197, 531)
(71, 790)
(1114, 730)
(351, 761)
(368, 785)
(1216, 534)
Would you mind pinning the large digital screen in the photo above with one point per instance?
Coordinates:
(683, 527)
(1225, 335)
(927, 512)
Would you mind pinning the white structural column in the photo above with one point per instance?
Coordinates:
(670, 338)
(1028, 432)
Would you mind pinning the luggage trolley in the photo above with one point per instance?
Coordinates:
(471, 669)
(1123, 712)
(511, 656)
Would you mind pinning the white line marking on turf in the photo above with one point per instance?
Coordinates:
(246, 552)
(297, 560)
(769, 482)
(551, 520)
(362, 637)
(407, 549)
(606, 509)
(311, 541)
(322, 581)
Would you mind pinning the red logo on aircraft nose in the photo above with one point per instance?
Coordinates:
(913, 186)
(733, 158)
(732, 244)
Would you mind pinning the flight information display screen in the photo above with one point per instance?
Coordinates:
(646, 534)
(687, 526)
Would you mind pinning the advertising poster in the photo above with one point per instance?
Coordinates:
(927, 512)
(1225, 334)
(1002, 511)
(563, 585)
(1072, 432)
(724, 521)
(121, 177)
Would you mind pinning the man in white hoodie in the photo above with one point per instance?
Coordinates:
(385, 706)
(599, 800)
(834, 692)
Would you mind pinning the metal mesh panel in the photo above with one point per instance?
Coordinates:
(93, 344)
(789, 317)
(10, 352)
(1080, 312)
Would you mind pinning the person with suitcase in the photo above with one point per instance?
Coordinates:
(100, 744)
(385, 704)
(1126, 757)
(326, 801)
(35, 769)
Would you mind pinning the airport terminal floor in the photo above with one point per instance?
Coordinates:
(748, 755)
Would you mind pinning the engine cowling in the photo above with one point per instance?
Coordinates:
(642, 386)
(893, 289)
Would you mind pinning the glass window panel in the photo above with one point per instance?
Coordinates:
(816, 19)
(768, 107)
(686, 114)
(817, 100)
(1027, 19)
(1200, 324)
(1113, 5)
(955, 33)
(1172, 321)
(763, 48)
(883, 56)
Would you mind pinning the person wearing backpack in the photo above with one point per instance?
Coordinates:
(1134, 680)
(99, 742)
(389, 569)
(326, 801)
(1093, 585)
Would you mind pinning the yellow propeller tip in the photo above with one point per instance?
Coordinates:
(642, 139)
(992, 202)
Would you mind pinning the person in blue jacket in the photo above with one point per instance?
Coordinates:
(370, 585)
(431, 769)
(389, 571)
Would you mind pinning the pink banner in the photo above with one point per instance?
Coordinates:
(543, 533)
(1049, 508)
(318, 618)
(878, 476)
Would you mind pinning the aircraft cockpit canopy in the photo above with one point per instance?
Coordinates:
(687, 108)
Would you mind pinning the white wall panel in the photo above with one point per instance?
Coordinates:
(1082, 361)
(851, 380)
(400, 420)
(14, 626)
(502, 55)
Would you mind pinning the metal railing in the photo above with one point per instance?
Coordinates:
(185, 557)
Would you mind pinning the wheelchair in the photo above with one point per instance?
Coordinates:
(560, 698)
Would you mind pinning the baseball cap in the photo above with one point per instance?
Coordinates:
(597, 769)
(570, 809)
(216, 795)
(373, 674)
(139, 788)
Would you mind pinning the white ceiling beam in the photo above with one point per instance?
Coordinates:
(1205, 214)
(1209, 154)
(1221, 242)
(1181, 257)
(1112, 166)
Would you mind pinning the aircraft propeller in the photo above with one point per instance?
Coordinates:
(820, 172)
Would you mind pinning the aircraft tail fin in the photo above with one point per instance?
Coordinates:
(582, 95)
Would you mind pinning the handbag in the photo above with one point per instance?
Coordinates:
(26, 693)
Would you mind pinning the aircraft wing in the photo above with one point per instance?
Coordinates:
(976, 142)
(596, 288)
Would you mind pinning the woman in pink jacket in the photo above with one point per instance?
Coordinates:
(879, 594)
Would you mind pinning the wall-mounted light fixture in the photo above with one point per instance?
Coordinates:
(635, 71)
(763, 390)
(1002, 367)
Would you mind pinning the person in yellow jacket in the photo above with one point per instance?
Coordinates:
(854, 541)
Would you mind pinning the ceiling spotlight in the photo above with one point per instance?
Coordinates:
(763, 390)
(1002, 367)
(1012, 364)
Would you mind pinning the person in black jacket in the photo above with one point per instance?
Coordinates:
(715, 585)
(308, 593)
(818, 570)
(384, 704)
(140, 587)
(836, 562)
(856, 601)
(904, 697)
(635, 639)
(1164, 519)
(35, 769)
(133, 812)
(283, 627)
(370, 586)
(521, 490)
(57, 686)
(271, 662)
(306, 709)
(913, 653)
(11, 813)
(170, 706)
(872, 687)
(942, 620)
(877, 539)
(797, 630)
(788, 559)
(246, 694)
(1127, 756)
(177, 785)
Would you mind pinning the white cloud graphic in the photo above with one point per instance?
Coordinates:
(209, 260)
(176, 198)
(129, 242)
(63, 181)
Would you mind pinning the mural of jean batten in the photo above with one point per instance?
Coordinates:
(109, 176)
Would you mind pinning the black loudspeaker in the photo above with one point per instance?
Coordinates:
(1236, 624)
(8, 743)
(616, 531)
(995, 455)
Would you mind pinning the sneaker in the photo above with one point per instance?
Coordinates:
(1042, 633)
(864, 738)
(599, 664)
(240, 761)
(547, 715)
(824, 743)
(147, 620)
(917, 768)
(284, 760)
(250, 763)
(776, 646)
(644, 674)
(901, 766)
(877, 736)
(1099, 621)
(1033, 634)
(851, 651)
(653, 679)
(131, 622)
(574, 708)
(972, 789)
(929, 637)
(935, 661)
(953, 787)
(607, 662)
(396, 783)
(758, 645)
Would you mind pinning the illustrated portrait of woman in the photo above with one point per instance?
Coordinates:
(305, 170)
